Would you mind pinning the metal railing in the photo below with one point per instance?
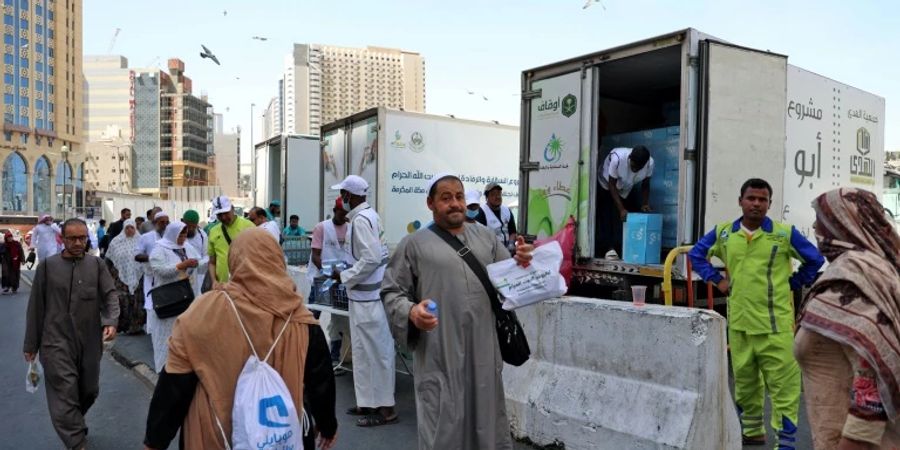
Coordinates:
(297, 249)
(667, 279)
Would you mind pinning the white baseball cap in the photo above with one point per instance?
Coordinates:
(221, 204)
(353, 184)
(473, 197)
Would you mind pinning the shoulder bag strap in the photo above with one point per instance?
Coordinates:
(467, 256)
(225, 233)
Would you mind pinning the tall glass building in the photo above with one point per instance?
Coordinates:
(41, 145)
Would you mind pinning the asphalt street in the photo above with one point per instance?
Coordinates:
(116, 421)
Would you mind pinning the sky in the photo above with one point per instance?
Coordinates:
(484, 45)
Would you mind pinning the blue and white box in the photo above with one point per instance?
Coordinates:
(642, 238)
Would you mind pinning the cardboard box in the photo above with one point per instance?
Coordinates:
(642, 238)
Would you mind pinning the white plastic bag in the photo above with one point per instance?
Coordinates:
(34, 375)
(264, 415)
(521, 286)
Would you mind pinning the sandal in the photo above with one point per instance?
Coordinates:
(377, 420)
(753, 440)
(357, 411)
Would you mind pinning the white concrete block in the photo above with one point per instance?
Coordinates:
(607, 374)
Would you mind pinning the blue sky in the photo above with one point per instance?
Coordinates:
(484, 45)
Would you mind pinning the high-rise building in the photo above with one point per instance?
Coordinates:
(322, 83)
(173, 132)
(228, 164)
(42, 108)
(108, 124)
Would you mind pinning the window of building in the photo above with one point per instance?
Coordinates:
(51, 107)
(39, 48)
(50, 52)
(39, 66)
(23, 4)
(23, 62)
(8, 39)
(23, 82)
(50, 70)
(8, 20)
(50, 16)
(39, 123)
(8, 99)
(39, 86)
(8, 78)
(50, 31)
(39, 104)
(50, 89)
(23, 24)
(8, 59)
(24, 137)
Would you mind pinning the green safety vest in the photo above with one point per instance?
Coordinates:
(759, 271)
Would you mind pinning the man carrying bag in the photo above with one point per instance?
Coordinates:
(458, 353)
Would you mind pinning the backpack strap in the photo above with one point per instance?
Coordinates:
(246, 335)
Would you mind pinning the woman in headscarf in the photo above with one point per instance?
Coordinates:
(207, 351)
(127, 273)
(848, 344)
(170, 261)
(11, 259)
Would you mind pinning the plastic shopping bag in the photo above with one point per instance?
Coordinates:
(566, 239)
(33, 376)
(521, 286)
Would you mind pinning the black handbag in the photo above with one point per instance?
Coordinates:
(510, 335)
(170, 300)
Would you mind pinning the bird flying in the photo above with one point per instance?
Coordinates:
(260, 38)
(207, 53)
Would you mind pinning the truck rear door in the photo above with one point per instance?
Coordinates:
(742, 128)
(555, 150)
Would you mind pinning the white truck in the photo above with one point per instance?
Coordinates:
(713, 114)
(398, 152)
(286, 168)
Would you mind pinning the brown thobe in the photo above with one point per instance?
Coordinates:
(460, 403)
(71, 301)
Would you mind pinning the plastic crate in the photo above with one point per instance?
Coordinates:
(336, 297)
(297, 249)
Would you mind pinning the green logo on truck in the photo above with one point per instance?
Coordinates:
(569, 105)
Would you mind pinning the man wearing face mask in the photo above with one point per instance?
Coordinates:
(473, 205)
(373, 345)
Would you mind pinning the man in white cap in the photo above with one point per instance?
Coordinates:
(220, 236)
(46, 238)
(142, 253)
(372, 343)
(497, 216)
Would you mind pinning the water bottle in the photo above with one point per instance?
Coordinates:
(432, 308)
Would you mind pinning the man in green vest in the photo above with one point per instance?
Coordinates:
(758, 254)
(220, 237)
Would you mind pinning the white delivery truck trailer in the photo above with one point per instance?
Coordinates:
(286, 168)
(712, 114)
(399, 152)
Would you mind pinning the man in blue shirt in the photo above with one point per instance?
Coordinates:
(294, 229)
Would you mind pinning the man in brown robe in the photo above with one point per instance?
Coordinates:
(460, 403)
(73, 308)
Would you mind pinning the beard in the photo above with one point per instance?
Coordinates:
(191, 234)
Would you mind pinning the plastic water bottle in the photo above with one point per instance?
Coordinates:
(432, 308)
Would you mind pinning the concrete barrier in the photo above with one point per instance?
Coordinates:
(609, 375)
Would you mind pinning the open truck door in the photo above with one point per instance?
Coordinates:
(743, 93)
(555, 147)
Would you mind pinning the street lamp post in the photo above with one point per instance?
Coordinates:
(65, 153)
(252, 156)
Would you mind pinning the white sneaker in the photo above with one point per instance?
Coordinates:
(612, 255)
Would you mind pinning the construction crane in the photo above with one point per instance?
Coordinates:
(112, 42)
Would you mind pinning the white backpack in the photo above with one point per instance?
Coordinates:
(264, 414)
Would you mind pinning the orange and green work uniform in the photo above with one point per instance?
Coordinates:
(761, 316)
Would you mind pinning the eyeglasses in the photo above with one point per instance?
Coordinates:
(76, 238)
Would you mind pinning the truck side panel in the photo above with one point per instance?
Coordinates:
(835, 138)
(743, 126)
(334, 167)
(557, 185)
(419, 146)
(301, 185)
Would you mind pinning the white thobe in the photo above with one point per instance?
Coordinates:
(145, 247)
(44, 240)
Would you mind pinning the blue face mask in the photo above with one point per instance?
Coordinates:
(471, 214)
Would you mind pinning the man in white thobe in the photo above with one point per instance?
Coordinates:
(373, 345)
(45, 238)
(197, 239)
(261, 220)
